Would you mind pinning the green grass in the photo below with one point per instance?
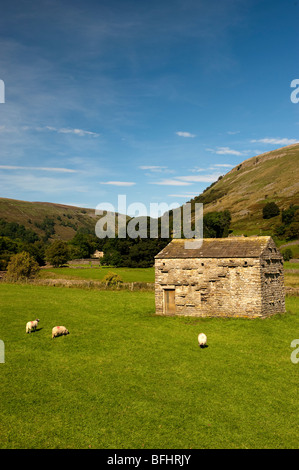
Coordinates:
(141, 274)
(97, 273)
(125, 378)
(288, 265)
(291, 274)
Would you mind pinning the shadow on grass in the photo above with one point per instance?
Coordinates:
(34, 331)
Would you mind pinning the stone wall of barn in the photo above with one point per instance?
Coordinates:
(272, 281)
(213, 286)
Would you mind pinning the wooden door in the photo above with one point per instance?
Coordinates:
(169, 301)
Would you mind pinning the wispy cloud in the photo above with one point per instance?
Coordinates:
(171, 182)
(199, 178)
(63, 130)
(37, 168)
(197, 169)
(233, 132)
(30, 184)
(226, 151)
(189, 179)
(119, 183)
(278, 141)
(185, 196)
(215, 167)
(154, 168)
(222, 165)
(185, 134)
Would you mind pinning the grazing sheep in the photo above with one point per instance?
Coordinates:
(59, 330)
(202, 340)
(31, 325)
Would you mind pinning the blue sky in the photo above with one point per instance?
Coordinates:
(149, 99)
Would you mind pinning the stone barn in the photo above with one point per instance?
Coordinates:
(234, 276)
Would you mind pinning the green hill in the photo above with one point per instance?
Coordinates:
(59, 220)
(247, 188)
(244, 191)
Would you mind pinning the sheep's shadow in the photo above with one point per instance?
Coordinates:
(203, 346)
(37, 329)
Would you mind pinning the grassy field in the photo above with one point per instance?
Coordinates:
(97, 273)
(125, 378)
(290, 265)
(141, 274)
(291, 274)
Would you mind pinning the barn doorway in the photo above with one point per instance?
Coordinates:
(169, 301)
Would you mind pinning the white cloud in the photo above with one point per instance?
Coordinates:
(226, 151)
(155, 168)
(39, 184)
(233, 132)
(188, 180)
(222, 165)
(185, 134)
(171, 182)
(200, 178)
(185, 196)
(37, 168)
(119, 183)
(63, 130)
(278, 141)
(197, 169)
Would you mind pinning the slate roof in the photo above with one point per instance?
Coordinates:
(232, 247)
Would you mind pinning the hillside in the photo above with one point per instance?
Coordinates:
(245, 190)
(65, 220)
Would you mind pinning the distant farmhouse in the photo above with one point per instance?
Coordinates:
(228, 277)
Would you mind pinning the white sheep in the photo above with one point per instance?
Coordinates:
(59, 330)
(31, 325)
(202, 340)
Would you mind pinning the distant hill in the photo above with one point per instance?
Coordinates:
(244, 191)
(247, 188)
(62, 220)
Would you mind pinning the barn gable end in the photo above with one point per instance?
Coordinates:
(238, 276)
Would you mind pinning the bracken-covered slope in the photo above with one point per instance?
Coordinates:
(67, 219)
(245, 190)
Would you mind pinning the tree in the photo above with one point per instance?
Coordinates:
(8, 248)
(112, 279)
(16, 231)
(48, 225)
(292, 232)
(287, 254)
(36, 250)
(216, 224)
(270, 210)
(83, 245)
(57, 253)
(21, 266)
(289, 215)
